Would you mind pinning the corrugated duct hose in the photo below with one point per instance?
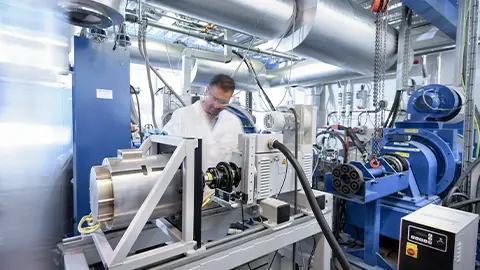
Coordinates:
(337, 250)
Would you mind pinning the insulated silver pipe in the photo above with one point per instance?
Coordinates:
(309, 73)
(220, 41)
(268, 19)
(339, 32)
(168, 55)
(162, 54)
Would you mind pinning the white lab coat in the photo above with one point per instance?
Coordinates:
(218, 142)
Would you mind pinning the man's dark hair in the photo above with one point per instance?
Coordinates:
(224, 82)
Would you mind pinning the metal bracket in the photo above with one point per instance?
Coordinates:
(117, 258)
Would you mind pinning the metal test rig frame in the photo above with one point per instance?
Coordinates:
(160, 245)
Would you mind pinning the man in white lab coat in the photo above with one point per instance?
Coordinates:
(206, 119)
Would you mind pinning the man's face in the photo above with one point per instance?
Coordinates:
(216, 100)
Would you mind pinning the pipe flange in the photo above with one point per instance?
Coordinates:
(93, 13)
(347, 179)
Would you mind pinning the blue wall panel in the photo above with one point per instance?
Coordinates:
(101, 126)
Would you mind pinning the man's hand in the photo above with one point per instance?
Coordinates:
(154, 132)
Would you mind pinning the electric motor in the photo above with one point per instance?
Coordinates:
(120, 185)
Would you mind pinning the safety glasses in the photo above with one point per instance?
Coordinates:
(217, 100)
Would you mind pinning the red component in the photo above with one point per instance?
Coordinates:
(411, 251)
(335, 127)
(416, 62)
(379, 6)
(374, 162)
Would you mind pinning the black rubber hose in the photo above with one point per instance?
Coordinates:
(396, 109)
(456, 187)
(294, 246)
(464, 175)
(327, 232)
(465, 203)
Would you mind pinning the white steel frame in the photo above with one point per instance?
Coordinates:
(118, 258)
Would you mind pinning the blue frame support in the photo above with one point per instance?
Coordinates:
(369, 257)
(441, 13)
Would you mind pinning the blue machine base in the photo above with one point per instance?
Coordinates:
(392, 209)
(355, 257)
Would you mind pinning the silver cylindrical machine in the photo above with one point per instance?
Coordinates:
(120, 185)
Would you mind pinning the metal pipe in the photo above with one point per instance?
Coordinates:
(234, 236)
(268, 19)
(221, 41)
(309, 73)
(336, 23)
(162, 54)
(470, 71)
(154, 7)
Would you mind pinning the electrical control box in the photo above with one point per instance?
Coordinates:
(438, 238)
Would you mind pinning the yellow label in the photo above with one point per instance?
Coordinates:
(411, 250)
(402, 154)
(411, 130)
(284, 161)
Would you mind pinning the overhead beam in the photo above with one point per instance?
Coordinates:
(441, 13)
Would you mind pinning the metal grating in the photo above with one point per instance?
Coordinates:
(308, 166)
(263, 180)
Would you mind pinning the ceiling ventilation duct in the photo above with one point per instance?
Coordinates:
(94, 13)
(338, 32)
(266, 18)
(204, 70)
(309, 73)
(168, 55)
(161, 54)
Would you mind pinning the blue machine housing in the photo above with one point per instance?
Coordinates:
(379, 182)
(430, 147)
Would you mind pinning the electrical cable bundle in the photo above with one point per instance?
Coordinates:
(339, 136)
(251, 69)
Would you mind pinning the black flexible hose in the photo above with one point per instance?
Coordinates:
(396, 109)
(465, 203)
(327, 232)
(464, 175)
(392, 115)
(456, 187)
(294, 247)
